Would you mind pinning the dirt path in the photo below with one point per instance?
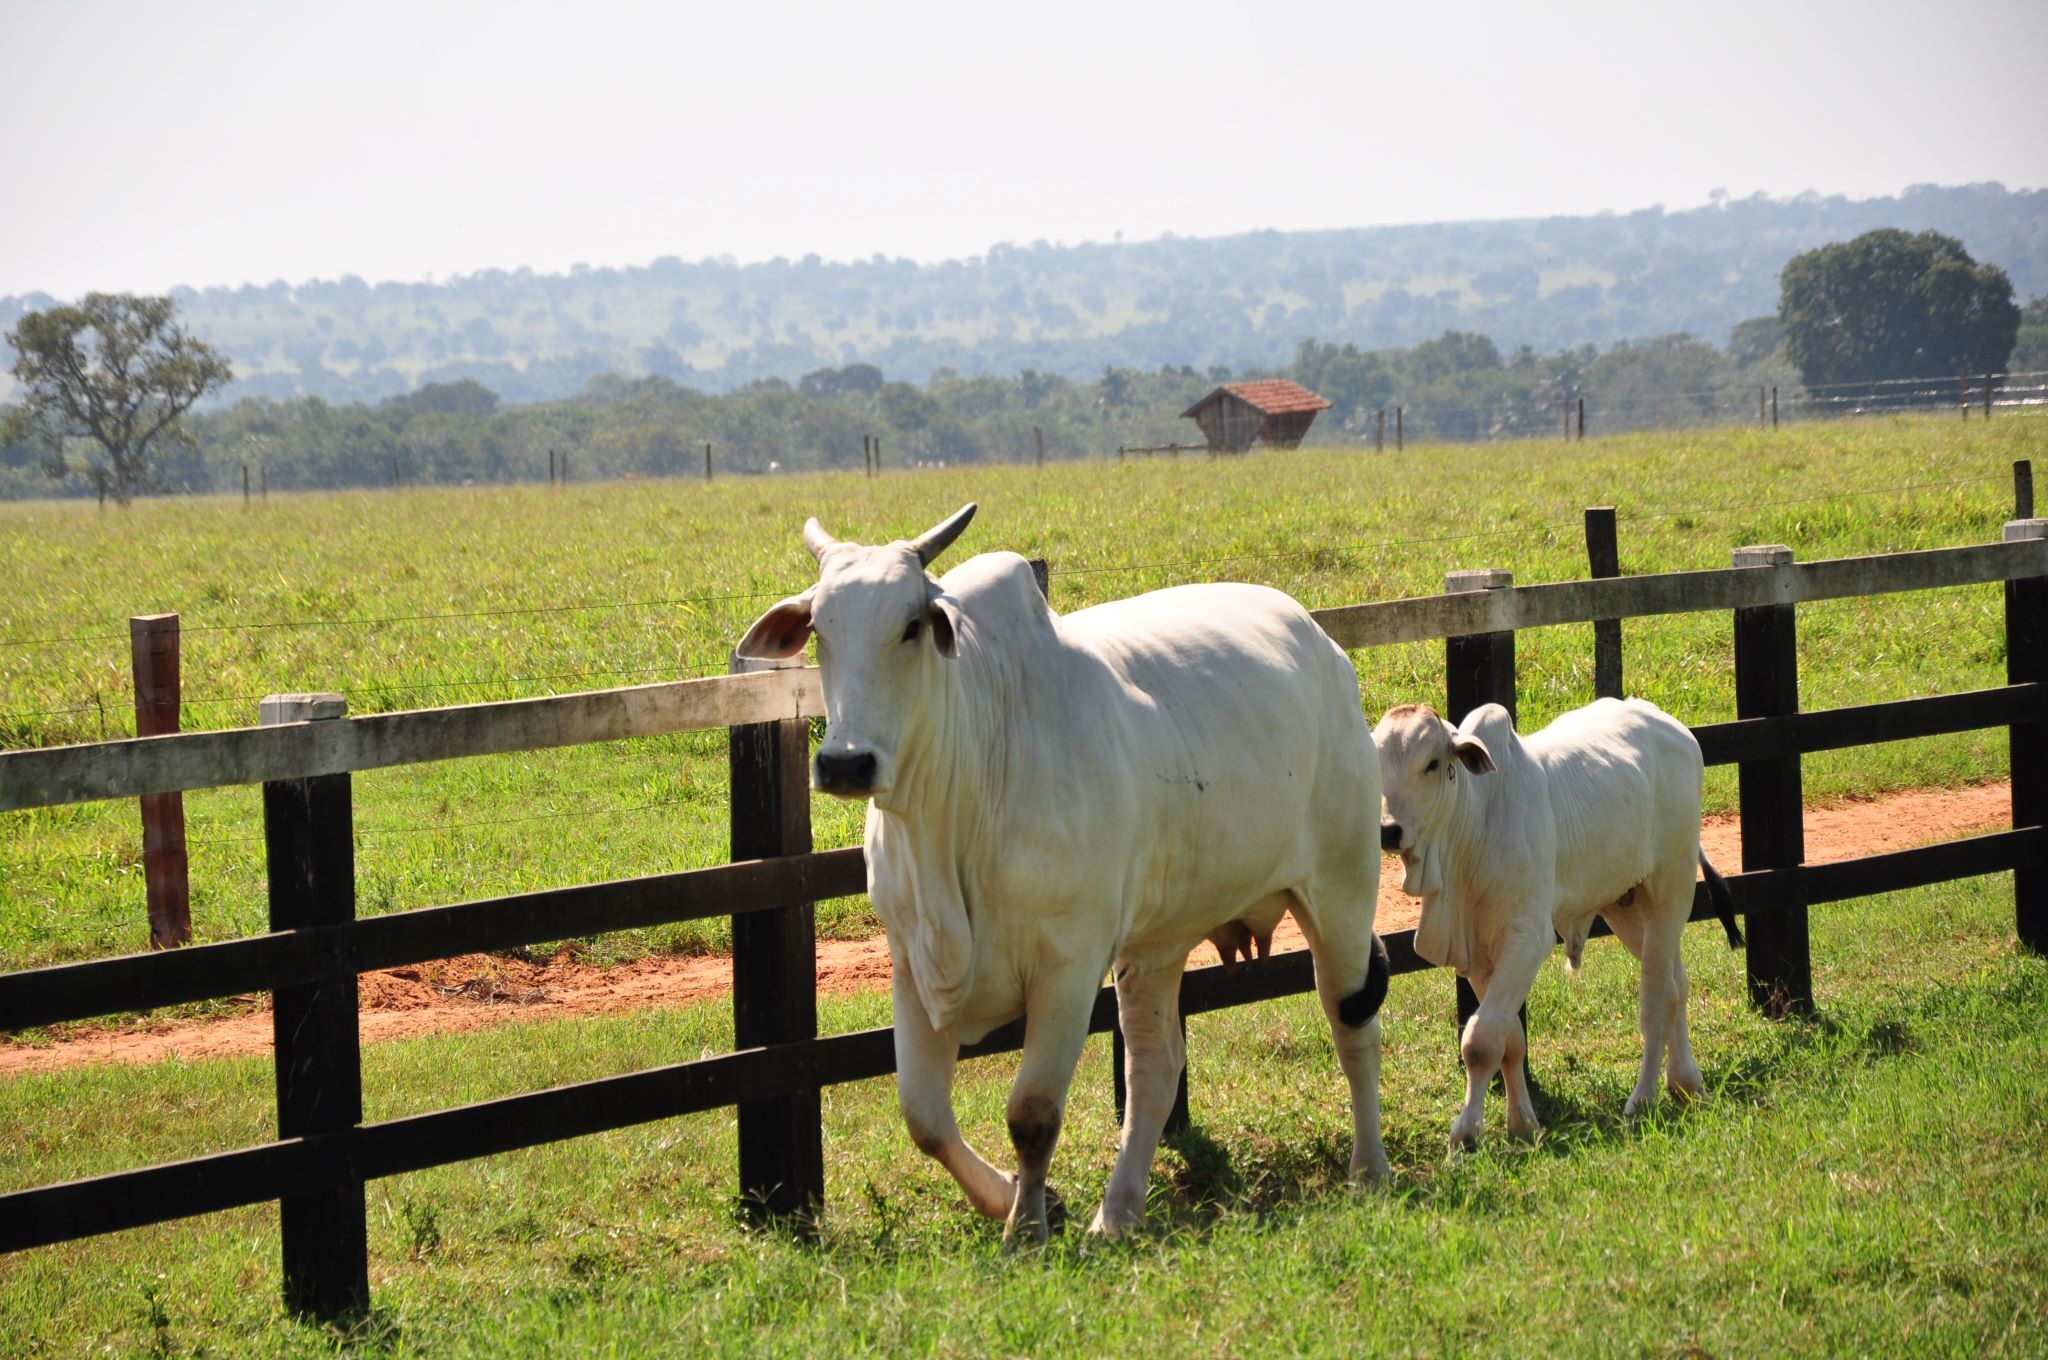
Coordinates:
(477, 990)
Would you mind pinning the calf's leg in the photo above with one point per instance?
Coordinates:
(1514, 1074)
(1659, 997)
(925, 1060)
(1495, 1030)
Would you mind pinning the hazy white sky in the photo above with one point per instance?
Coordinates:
(151, 144)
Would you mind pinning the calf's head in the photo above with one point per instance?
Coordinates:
(1422, 758)
(883, 627)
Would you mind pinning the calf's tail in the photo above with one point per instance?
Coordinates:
(1724, 902)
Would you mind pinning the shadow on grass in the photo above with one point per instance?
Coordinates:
(1209, 1174)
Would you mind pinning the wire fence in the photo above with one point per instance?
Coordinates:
(1555, 415)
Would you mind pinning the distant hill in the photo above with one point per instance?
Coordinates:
(1238, 301)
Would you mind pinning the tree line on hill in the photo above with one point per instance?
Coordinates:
(1888, 304)
(451, 433)
(1241, 302)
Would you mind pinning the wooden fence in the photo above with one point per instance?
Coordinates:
(307, 747)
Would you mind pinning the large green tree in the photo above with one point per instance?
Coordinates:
(1890, 304)
(110, 376)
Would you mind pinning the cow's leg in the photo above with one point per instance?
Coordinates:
(1351, 982)
(924, 1087)
(1148, 1007)
(1055, 1028)
(1496, 1026)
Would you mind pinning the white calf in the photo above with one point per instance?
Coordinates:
(1511, 842)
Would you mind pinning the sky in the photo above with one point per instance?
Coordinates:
(216, 142)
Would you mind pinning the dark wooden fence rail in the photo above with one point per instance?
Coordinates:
(307, 747)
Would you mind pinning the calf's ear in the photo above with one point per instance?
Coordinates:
(779, 633)
(1472, 754)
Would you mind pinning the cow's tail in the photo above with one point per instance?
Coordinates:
(1363, 1004)
(1724, 901)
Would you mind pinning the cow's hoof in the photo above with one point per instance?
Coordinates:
(1464, 1144)
(1373, 1175)
(1055, 1210)
(1023, 1237)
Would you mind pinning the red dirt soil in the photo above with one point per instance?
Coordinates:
(476, 990)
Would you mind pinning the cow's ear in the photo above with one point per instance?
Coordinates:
(941, 614)
(1472, 753)
(779, 633)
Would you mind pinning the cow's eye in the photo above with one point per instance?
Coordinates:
(910, 630)
(1431, 767)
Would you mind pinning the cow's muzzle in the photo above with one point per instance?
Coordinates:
(849, 776)
(1390, 835)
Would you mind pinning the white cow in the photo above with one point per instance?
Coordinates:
(1055, 798)
(1513, 842)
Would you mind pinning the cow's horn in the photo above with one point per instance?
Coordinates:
(816, 539)
(939, 537)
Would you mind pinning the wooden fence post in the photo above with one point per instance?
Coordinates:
(1582, 420)
(775, 967)
(1774, 406)
(2026, 659)
(1399, 434)
(1478, 669)
(1987, 396)
(1038, 434)
(1760, 407)
(2022, 488)
(153, 651)
(309, 842)
(1379, 437)
(1603, 556)
(1780, 963)
(245, 483)
(707, 462)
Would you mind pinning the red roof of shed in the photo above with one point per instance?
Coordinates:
(1271, 396)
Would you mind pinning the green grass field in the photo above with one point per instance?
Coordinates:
(421, 598)
(1868, 1182)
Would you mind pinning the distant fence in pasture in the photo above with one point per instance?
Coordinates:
(1567, 414)
(307, 747)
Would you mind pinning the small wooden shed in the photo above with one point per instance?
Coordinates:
(1272, 411)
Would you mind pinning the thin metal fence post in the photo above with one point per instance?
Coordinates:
(1780, 961)
(309, 843)
(153, 649)
(1478, 669)
(775, 967)
(2026, 661)
(2022, 488)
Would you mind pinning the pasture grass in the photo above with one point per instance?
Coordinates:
(643, 581)
(1867, 1181)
